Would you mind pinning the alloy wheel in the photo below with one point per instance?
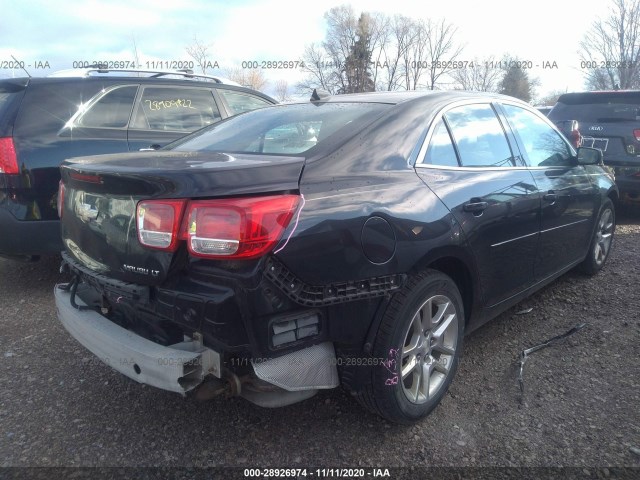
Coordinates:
(604, 236)
(429, 348)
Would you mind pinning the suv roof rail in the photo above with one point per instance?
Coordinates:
(87, 72)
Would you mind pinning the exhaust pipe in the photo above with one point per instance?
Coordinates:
(250, 388)
(230, 385)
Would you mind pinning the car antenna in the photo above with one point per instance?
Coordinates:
(319, 94)
(21, 66)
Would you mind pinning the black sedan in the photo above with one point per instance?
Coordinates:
(348, 240)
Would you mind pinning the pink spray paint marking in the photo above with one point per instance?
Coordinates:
(391, 364)
(294, 226)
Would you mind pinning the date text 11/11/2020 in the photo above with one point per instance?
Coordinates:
(339, 361)
(317, 472)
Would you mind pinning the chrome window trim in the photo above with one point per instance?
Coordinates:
(419, 163)
(439, 115)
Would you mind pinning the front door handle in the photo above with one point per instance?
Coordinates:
(550, 197)
(475, 206)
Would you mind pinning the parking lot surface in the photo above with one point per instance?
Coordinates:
(59, 406)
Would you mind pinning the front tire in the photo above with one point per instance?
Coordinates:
(419, 341)
(602, 239)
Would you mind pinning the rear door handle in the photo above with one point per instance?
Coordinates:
(475, 207)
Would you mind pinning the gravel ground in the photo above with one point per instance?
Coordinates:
(59, 406)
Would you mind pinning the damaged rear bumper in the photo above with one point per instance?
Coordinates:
(184, 366)
(177, 368)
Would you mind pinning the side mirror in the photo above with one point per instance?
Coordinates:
(589, 156)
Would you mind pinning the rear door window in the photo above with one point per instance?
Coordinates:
(541, 144)
(177, 109)
(479, 136)
(441, 151)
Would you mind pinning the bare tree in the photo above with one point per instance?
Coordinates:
(415, 57)
(479, 75)
(442, 51)
(394, 53)
(379, 37)
(319, 70)
(248, 77)
(342, 34)
(402, 34)
(201, 54)
(281, 91)
(612, 48)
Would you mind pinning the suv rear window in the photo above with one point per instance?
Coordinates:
(285, 130)
(10, 94)
(598, 107)
(4, 100)
(111, 110)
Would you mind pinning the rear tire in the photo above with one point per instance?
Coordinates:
(602, 240)
(418, 345)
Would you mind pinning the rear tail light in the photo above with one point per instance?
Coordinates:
(237, 227)
(222, 228)
(636, 134)
(60, 199)
(158, 223)
(8, 158)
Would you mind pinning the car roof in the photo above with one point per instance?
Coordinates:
(116, 79)
(395, 98)
(174, 74)
(575, 98)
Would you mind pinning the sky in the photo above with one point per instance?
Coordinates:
(62, 32)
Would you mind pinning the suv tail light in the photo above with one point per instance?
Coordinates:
(158, 223)
(60, 199)
(237, 227)
(636, 133)
(575, 138)
(8, 158)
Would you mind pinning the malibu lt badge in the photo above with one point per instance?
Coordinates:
(140, 270)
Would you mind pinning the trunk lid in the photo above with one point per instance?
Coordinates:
(101, 195)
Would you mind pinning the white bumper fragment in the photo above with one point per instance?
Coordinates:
(177, 368)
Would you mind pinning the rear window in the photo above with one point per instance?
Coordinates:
(4, 100)
(286, 130)
(10, 95)
(598, 108)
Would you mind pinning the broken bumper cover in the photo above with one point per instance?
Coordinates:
(310, 368)
(177, 368)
